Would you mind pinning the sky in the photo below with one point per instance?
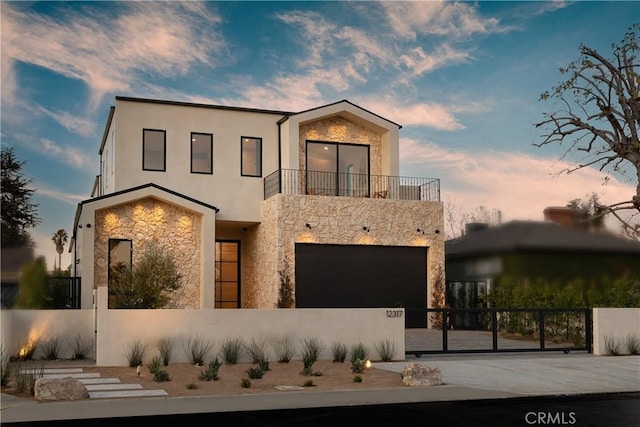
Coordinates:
(462, 78)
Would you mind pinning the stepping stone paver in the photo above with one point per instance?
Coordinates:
(127, 393)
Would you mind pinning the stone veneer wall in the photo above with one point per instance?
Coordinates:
(336, 220)
(337, 129)
(149, 219)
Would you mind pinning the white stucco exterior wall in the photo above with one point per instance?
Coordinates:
(614, 323)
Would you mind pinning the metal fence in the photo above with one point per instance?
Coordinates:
(63, 293)
(503, 330)
(293, 181)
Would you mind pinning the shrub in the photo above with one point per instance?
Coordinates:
(612, 345)
(51, 348)
(357, 378)
(149, 284)
(154, 365)
(255, 372)
(231, 350)
(161, 375)
(135, 352)
(385, 350)
(359, 352)
(211, 372)
(264, 364)
(6, 369)
(29, 349)
(284, 350)
(192, 386)
(245, 383)
(311, 349)
(80, 347)
(166, 350)
(632, 342)
(357, 366)
(256, 350)
(339, 351)
(196, 349)
(308, 383)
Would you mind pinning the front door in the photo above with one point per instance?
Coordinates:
(227, 292)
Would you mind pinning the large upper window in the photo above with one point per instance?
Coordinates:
(201, 152)
(251, 156)
(154, 145)
(337, 169)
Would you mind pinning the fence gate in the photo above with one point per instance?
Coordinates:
(501, 330)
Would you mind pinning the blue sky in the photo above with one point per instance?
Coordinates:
(462, 78)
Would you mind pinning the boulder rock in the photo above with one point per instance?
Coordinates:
(417, 375)
(60, 389)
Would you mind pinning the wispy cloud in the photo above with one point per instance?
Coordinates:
(113, 52)
(518, 184)
(433, 115)
(65, 153)
(51, 193)
(455, 19)
(419, 62)
(75, 124)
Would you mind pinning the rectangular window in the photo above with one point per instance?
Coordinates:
(227, 271)
(251, 156)
(201, 153)
(337, 169)
(154, 145)
(120, 264)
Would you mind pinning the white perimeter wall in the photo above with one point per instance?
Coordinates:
(617, 323)
(118, 329)
(19, 327)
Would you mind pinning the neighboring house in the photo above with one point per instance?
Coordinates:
(246, 198)
(530, 250)
(12, 260)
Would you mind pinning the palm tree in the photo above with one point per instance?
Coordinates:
(59, 238)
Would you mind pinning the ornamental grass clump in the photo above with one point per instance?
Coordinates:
(385, 350)
(339, 351)
(197, 349)
(311, 349)
(231, 350)
(51, 348)
(284, 350)
(165, 348)
(80, 347)
(135, 352)
(211, 371)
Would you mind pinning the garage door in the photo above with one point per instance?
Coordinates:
(362, 276)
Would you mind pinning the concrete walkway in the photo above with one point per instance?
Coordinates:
(467, 377)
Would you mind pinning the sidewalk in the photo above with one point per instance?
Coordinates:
(465, 377)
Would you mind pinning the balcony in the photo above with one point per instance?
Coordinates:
(293, 181)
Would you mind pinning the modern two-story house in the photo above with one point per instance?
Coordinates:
(247, 199)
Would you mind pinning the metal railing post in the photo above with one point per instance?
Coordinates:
(494, 328)
(588, 332)
(541, 322)
(445, 327)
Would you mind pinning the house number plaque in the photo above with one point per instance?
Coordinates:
(394, 313)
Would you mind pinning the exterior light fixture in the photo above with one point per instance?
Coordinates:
(88, 225)
(437, 231)
(365, 228)
(307, 225)
(420, 230)
(367, 364)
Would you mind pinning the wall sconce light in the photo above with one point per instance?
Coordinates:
(437, 231)
(420, 231)
(307, 225)
(78, 261)
(88, 225)
(365, 228)
(79, 225)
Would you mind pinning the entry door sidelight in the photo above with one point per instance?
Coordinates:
(227, 266)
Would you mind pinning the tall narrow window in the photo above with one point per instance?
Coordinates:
(201, 153)
(251, 156)
(227, 280)
(154, 145)
(120, 262)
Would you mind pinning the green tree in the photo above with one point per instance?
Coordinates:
(60, 238)
(150, 283)
(588, 214)
(598, 116)
(18, 212)
(33, 285)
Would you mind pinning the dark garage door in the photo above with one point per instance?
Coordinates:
(363, 276)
